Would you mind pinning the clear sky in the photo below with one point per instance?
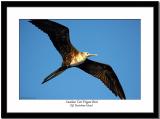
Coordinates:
(117, 43)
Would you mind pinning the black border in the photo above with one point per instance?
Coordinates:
(4, 5)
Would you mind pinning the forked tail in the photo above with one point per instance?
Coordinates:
(54, 74)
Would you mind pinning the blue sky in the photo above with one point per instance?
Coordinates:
(117, 43)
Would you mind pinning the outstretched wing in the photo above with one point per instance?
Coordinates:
(106, 74)
(58, 34)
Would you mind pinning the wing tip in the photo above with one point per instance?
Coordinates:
(43, 82)
(32, 21)
(122, 95)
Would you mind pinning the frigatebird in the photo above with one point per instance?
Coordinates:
(59, 36)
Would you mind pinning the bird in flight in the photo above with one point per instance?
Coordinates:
(59, 36)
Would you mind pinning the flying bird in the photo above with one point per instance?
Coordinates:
(59, 36)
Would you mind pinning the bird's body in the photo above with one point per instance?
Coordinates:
(78, 59)
(59, 36)
(74, 59)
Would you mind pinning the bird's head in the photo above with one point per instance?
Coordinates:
(86, 54)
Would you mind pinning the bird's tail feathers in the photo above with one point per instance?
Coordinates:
(54, 74)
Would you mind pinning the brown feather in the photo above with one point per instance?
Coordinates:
(58, 34)
(106, 74)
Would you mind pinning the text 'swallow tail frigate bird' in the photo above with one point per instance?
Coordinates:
(59, 36)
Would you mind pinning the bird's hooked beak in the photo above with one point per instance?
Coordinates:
(92, 55)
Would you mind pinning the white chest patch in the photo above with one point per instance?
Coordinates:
(77, 60)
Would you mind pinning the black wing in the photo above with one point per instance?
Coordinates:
(58, 34)
(54, 74)
(106, 74)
